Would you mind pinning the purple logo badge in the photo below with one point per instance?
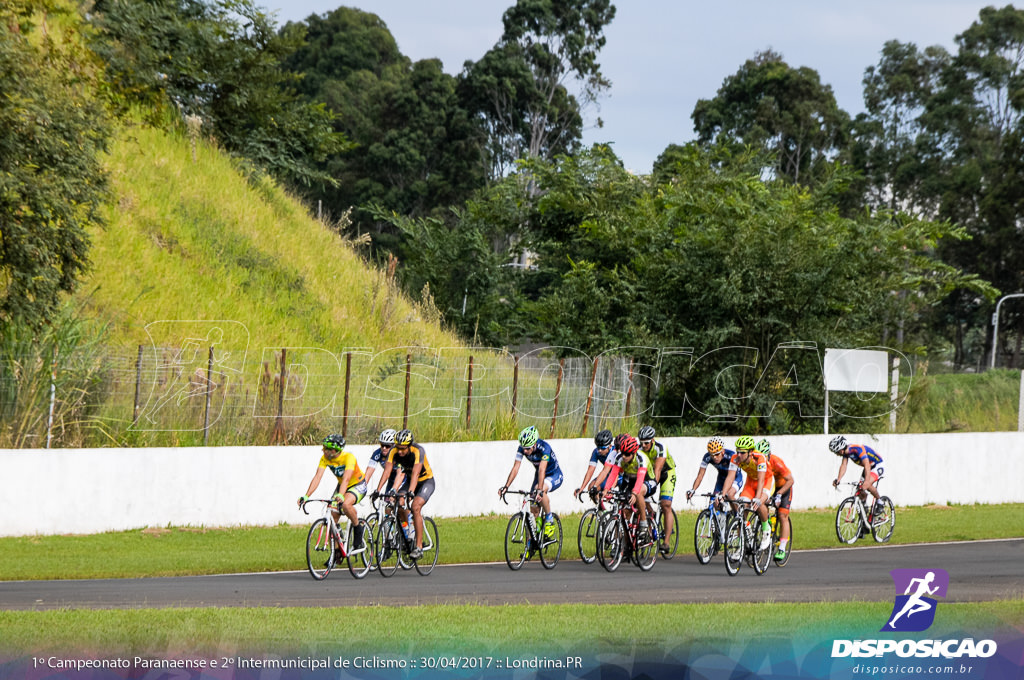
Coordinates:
(916, 589)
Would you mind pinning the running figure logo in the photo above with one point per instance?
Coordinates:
(914, 610)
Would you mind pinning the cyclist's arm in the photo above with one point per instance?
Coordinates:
(641, 474)
(315, 481)
(659, 463)
(384, 475)
(842, 471)
(542, 468)
(414, 476)
(700, 476)
(787, 484)
(729, 478)
(611, 473)
(512, 474)
(586, 478)
(345, 479)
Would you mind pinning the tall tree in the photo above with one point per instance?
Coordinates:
(220, 61)
(531, 88)
(416, 150)
(770, 105)
(52, 185)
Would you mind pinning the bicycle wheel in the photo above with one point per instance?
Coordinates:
(610, 549)
(847, 522)
(516, 542)
(673, 540)
(550, 546)
(882, 525)
(704, 537)
(761, 553)
(586, 535)
(319, 549)
(425, 562)
(734, 546)
(372, 526)
(777, 536)
(388, 547)
(359, 562)
(646, 552)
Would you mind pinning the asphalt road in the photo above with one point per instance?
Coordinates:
(978, 571)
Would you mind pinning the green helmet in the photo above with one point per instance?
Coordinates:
(528, 437)
(764, 447)
(745, 442)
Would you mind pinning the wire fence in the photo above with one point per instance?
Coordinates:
(193, 395)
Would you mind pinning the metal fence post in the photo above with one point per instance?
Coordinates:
(278, 435)
(348, 382)
(53, 396)
(408, 371)
(590, 399)
(138, 386)
(469, 393)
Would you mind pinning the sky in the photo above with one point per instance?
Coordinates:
(662, 56)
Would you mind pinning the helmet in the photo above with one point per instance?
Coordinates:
(745, 442)
(603, 438)
(528, 437)
(387, 436)
(334, 442)
(618, 440)
(404, 438)
(837, 444)
(646, 432)
(629, 445)
(716, 445)
(764, 447)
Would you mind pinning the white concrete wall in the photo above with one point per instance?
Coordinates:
(93, 490)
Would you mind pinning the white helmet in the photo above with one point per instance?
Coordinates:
(388, 437)
(837, 444)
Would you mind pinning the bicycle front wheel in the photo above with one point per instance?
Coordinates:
(319, 549)
(360, 559)
(646, 551)
(610, 546)
(704, 537)
(882, 525)
(734, 545)
(388, 547)
(667, 539)
(550, 541)
(586, 536)
(516, 542)
(777, 536)
(848, 522)
(425, 562)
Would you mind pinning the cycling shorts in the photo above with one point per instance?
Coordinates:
(627, 484)
(357, 490)
(551, 482)
(876, 472)
(750, 488)
(668, 485)
(424, 489)
(786, 501)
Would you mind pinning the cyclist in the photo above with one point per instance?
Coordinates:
(633, 464)
(351, 486)
(756, 488)
(864, 456)
(603, 446)
(783, 498)
(411, 459)
(663, 471)
(546, 478)
(719, 458)
(380, 456)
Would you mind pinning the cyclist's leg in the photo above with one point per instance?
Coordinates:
(353, 495)
(424, 490)
(668, 487)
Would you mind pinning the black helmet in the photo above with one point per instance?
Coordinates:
(335, 442)
(603, 438)
(404, 438)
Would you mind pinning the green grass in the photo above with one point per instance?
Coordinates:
(182, 551)
(476, 630)
(982, 402)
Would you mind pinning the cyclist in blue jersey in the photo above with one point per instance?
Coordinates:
(862, 455)
(379, 457)
(546, 478)
(602, 447)
(719, 458)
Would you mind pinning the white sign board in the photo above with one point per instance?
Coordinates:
(856, 370)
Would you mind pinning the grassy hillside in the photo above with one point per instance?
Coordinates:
(193, 239)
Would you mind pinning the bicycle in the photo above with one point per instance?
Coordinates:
(325, 548)
(709, 530)
(777, 522)
(523, 537)
(743, 541)
(620, 538)
(853, 519)
(395, 548)
(590, 526)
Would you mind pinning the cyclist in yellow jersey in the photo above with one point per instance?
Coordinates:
(351, 486)
(663, 471)
(418, 481)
